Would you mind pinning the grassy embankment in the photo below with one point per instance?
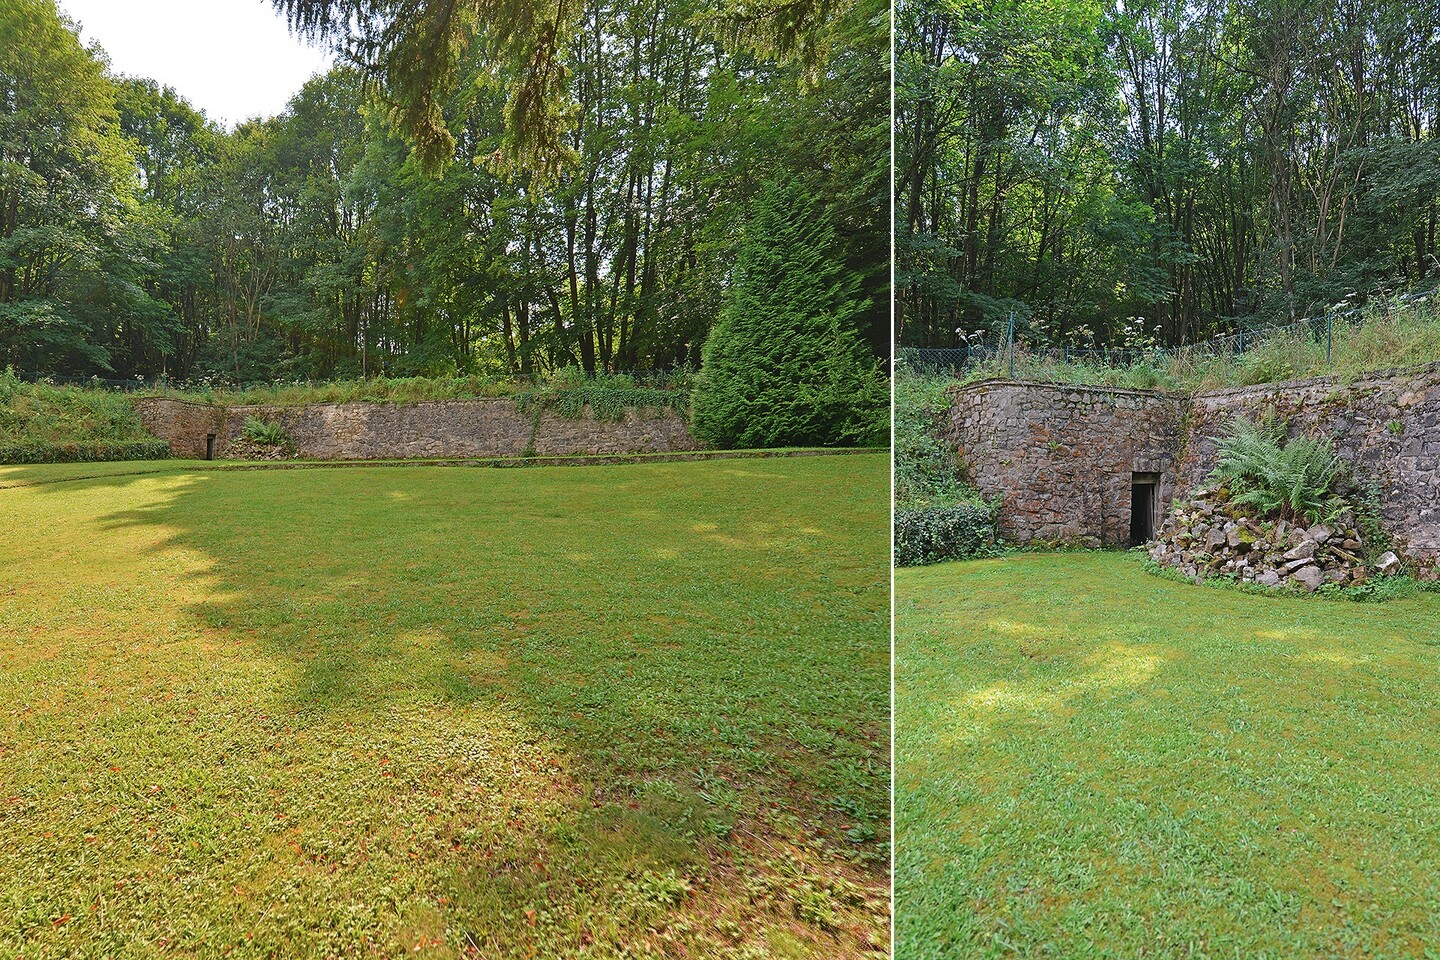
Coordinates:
(41, 423)
(1391, 334)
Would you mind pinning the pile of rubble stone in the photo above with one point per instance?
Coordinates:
(243, 449)
(1210, 536)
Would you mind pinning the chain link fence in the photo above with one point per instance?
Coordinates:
(675, 378)
(1319, 330)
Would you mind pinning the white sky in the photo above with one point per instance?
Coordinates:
(233, 59)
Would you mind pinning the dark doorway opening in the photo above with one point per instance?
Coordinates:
(210, 446)
(1144, 504)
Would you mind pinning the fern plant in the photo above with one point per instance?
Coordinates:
(1294, 479)
(264, 434)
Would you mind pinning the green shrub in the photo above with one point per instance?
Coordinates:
(264, 434)
(38, 451)
(571, 390)
(927, 469)
(930, 534)
(49, 414)
(938, 515)
(1291, 479)
(785, 364)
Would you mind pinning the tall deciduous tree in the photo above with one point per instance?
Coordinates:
(1159, 169)
(417, 51)
(70, 243)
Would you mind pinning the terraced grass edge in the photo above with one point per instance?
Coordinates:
(584, 460)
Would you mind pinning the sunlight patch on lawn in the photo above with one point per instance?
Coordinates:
(1011, 628)
(1115, 668)
(1333, 658)
(292, 713)
(1286, 636)
(1165, 769)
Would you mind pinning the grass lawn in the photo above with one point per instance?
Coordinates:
(1093, 762)
(572, 712)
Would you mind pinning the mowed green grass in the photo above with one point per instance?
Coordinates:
(573, 712)
(1093, 762)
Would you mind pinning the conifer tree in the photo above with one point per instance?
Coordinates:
(785, 364)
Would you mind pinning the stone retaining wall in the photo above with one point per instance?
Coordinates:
(1062, 459)
(1385, 426)
(439, 429)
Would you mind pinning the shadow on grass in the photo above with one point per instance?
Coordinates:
(702, 652)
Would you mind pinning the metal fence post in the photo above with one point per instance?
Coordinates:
(1010, 338)
(1329, 337)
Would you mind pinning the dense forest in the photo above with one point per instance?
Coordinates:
(1160, 171)
(140, 239)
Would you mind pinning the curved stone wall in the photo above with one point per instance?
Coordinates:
(1063, 459)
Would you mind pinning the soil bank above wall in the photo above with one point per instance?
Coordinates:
(1076, 464)
(438, 429)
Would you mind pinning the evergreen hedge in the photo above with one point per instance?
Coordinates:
(35, 451)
